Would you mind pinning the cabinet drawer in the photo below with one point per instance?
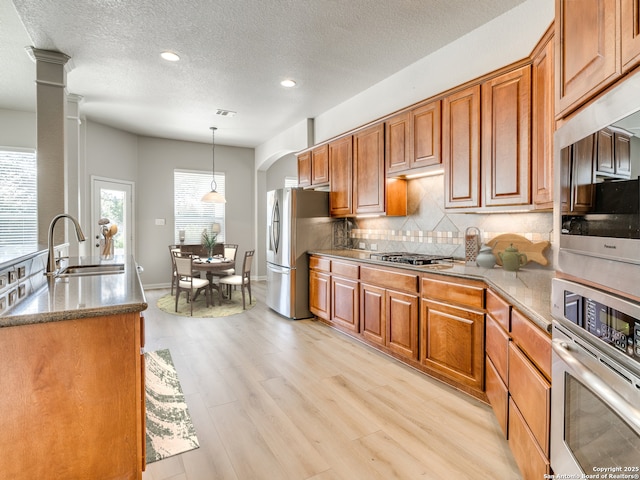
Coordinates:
(532, 393)
(497, 394)
(318, 263)
(532, 462)
(533, 341)
(497, 346)
(390, 279)
(466, 294)
(499, 309)
(348, 270)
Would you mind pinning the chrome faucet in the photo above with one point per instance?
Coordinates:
(51, 261)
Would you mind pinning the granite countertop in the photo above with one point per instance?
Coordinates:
(69, 298)
(528, 289)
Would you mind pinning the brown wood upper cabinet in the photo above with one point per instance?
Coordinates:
(341, 177)
(588, 49)
(461, 148)
(304, 169)
(358, 184)
(368, 170)
(313, 167)
(542, 122)
(630, 17)
(413, 139)
(506, 115)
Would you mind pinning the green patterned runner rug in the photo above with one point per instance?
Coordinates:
(169, 427)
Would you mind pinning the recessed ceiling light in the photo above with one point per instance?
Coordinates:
(170, 56)
(288, 83)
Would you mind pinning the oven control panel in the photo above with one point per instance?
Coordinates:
(614, 327)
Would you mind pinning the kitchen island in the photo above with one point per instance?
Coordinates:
(73, 378)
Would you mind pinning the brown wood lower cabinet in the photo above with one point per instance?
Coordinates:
(453, 342)
(402, 323)
(531, 460)
(389, 317)
(319, 294)
(532, 393)
(72, 400)
(344, 303)
(497, 394)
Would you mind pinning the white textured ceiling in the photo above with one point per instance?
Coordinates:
(233, 55)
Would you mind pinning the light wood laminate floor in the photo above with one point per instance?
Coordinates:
(273, 398)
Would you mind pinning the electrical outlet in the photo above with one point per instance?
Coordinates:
(361, 245)
(374, 246)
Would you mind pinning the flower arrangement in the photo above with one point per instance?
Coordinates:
(209, 241)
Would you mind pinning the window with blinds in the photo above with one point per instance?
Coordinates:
(192, 215)
(18, 198)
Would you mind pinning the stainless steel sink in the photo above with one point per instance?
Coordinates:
(100, 269)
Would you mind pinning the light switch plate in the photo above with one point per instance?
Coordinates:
(160, 221)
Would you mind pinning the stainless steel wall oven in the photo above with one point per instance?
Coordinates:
(597, 209)
(595, 398)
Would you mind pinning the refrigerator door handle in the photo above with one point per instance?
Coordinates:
(274, 237)
(278, 269)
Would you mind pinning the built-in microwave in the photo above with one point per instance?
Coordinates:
(597, 208)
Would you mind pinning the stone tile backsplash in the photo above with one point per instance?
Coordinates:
(428, 229)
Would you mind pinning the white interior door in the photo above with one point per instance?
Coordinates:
(112, 199)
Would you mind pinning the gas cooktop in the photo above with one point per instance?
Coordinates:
(410, 258)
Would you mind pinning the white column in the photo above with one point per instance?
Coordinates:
(74, 184)
(51, 104)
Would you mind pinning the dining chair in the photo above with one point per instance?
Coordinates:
(230, 252)
(243, 280)
(174, 273)
(187, 282)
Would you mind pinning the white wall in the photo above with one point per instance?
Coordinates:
(17, 129)
(157, 158)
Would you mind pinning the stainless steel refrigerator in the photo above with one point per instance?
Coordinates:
(297, 221)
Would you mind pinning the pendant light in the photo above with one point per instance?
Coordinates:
(213, 196)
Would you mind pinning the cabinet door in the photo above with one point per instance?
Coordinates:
(630, 30)
(452, 342)
(373, 313)
(588, 52)
(461, 148)
(542, 126)
(531, 392)
(320, 165)
(319, 289)
(531, 460)
(498, 395)
(497, 347)
(304, 169)
(340, 174)
(582, 192)
(344, 304)
(604, 156)
(402, 323)
(398, 143)
(506, 117)
(368, 170)
(622, 154)
(426, 122)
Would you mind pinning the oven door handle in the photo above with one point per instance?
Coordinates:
(629, 412)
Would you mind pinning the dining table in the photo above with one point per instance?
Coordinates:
(211, 266)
